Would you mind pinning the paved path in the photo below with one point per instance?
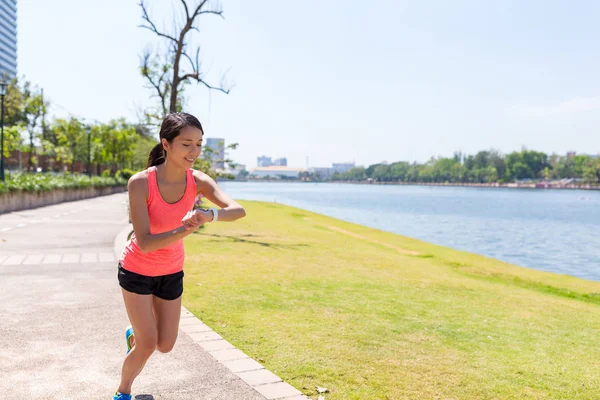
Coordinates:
(62, 318)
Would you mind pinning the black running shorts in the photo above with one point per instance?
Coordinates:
(166, 287)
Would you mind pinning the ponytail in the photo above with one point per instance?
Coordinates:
(157, 156)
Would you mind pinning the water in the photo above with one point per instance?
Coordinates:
(550, 230)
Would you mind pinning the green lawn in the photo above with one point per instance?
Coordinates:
(374, 315)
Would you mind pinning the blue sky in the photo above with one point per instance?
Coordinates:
(342, 81)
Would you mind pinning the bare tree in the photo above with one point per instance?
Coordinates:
(166, 78)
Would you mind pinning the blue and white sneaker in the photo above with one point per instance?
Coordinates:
(121, 396)
(128, 337)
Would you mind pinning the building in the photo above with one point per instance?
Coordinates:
(282, 162)
(276, 172)
(263, 161)
(236, 170)
(8, 38)
(322, 172)
(572, 154)
(218, 148)
(342, 168)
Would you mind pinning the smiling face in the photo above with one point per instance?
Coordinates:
(185, 148)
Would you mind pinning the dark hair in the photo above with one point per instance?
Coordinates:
(169, 130)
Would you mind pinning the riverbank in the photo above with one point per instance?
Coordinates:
(540, 185)
(371, 314)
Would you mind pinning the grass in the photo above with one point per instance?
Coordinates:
(374, 315)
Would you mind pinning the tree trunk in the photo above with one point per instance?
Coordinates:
(173, 103)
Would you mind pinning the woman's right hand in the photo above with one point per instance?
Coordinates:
(191, 222)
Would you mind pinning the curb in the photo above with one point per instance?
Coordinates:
(266, 383)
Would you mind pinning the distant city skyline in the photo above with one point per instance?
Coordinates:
(267, 161)
(343, 166)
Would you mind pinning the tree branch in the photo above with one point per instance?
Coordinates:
(152, 27)
(219, 13)
(195, 75)
(190, 60)
(146, 73)
(198, 9)
(157, 84)
(187, 12)
(220, 89)
(190, 75)
(195, 66)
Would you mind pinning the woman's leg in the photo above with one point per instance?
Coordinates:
(139, 310)
(167, 313)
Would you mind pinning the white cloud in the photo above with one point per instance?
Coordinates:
(572, 106)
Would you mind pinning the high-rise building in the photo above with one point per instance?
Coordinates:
(8, 38)
(264, 161)
(218, 148)
(281, 162)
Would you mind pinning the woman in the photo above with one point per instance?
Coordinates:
(150, 270)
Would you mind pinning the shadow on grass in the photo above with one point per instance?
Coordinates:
(424, 256)
(506, 279)
(593, 298)
(239, 239)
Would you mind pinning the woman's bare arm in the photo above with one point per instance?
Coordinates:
(230, 209)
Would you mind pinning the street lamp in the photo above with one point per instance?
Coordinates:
(3, 85)
(89, 168)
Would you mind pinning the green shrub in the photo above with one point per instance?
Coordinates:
(124, 174)
(49, 181)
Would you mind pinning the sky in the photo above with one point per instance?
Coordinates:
(331, 81)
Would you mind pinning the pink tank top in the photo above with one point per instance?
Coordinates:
(163, 217)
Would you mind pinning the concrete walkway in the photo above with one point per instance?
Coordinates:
(62, 317)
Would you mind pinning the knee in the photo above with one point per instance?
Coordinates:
(165, 346)
(146, 346)
(146, 350)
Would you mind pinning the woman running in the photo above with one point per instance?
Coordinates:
(150, 269)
